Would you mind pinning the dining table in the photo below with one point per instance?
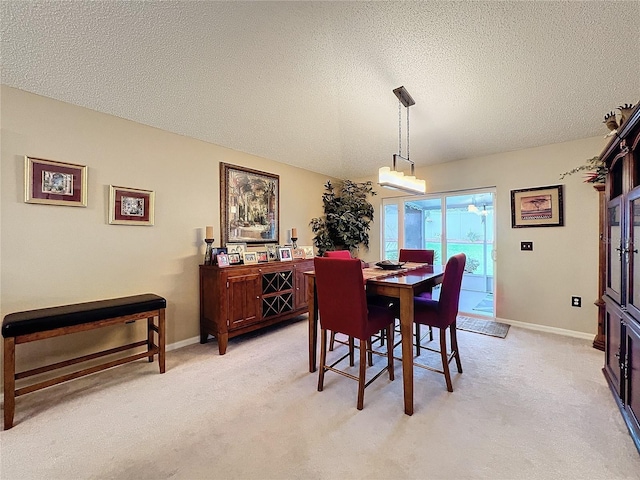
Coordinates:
(403, 283)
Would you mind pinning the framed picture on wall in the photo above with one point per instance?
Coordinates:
(249, 204)
(130, 206)
(537, 207)
(54, 183)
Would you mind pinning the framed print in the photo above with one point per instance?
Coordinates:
(222, 259)
(263, 256)
(537, 207)
(249, 204)
(234, 258)
(249, 257)
(298, 253)
(130, 206)
(272, 252)
(284, 254)
(54, 183)
(236, 248)
(308, 251)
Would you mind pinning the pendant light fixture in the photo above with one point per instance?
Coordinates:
(390, 177)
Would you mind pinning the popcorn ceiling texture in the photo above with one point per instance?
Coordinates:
(310, 83)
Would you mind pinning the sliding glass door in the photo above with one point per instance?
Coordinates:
(448, 224)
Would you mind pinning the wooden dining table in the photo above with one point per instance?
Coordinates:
(403, 284)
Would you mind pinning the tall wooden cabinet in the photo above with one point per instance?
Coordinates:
(622, 286)
(239, 299)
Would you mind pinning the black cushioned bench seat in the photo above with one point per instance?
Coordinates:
(33, 325)
(43, 319)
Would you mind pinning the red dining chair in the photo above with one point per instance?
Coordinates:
(419, 256)
(343, 308)
(442, 314)
(344, 254)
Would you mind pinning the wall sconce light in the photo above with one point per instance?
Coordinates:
(390, 177)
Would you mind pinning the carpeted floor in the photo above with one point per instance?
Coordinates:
(485, 327)
(533, 406)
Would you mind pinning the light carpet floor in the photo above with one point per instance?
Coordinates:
(531, 406)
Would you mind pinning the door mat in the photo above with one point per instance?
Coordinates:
(485, 327)
(485, 305)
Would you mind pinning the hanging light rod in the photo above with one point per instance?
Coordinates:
(404, 96)
(392, 178)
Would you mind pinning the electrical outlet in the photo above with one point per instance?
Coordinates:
(526, 246)
(576, 301)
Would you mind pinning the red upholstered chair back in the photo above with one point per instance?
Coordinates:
(417, 256)
(342, 301)
(450, 292)
(345, 254)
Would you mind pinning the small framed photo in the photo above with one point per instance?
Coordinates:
(130, 206)
(263, 256)
(272, 252)
(249, 258)
(234, 258)
(298, 253)
(236, 248)
(537, 207)
(54, 183)
(222, 259)
(284, 254)
(308, 251)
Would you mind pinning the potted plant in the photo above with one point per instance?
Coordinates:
(347, 217)
(595, 168)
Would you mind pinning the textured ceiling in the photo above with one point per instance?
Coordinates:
(310, 83)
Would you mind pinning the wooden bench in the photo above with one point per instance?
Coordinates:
(33, 325)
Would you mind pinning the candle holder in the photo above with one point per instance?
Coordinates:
(208, 256)
(294, 240)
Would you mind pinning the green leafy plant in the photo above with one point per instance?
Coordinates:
(595, 168)
(347, 217)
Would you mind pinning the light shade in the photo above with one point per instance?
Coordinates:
(399, 181)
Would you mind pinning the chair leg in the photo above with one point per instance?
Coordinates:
(332, 342)
(418, 337)
(445, 360)
(363, 368)
(389, 331)
(323, 358)
(430, 334)
(351, 350)
(454, 345)
(368, 346)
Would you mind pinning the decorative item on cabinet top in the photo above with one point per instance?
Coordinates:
(614, 120)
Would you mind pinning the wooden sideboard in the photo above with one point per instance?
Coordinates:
(243, 298)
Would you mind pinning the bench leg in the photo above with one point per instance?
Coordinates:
(150, 326)
(161, 340)
(9, 381)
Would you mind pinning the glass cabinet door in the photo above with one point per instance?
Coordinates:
(633, 255)
(614, 250)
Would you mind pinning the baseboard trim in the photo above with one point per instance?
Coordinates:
(182, 343)
(545, 328)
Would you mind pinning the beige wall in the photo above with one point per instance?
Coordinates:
(52, 255)
(532, 287)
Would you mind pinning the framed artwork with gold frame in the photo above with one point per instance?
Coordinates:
(54, 183)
